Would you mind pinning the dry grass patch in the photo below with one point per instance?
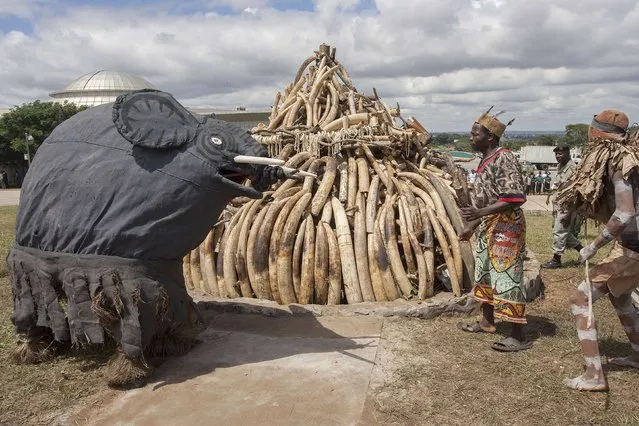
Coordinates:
(29, 392)
(436, 374)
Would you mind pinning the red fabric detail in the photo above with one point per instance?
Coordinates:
(512, 200)
(490, 159)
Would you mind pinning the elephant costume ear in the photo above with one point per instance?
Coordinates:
(153, 119)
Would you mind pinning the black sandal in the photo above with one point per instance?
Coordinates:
(510, 344)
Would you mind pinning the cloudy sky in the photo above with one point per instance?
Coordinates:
(547, 62)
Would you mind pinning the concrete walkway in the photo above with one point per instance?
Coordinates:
(536, 204)
(251, 369)
(9, 197)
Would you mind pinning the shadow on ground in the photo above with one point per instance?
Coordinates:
(231, 340)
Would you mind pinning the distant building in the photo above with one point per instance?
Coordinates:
(246, 119)
(101, 87)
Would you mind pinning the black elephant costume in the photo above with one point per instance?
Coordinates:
(113, 200)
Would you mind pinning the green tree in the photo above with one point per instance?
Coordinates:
(545, 140)
(444, 139)
(37, 119)
(514, 144)
(463, 144)
(576, 134)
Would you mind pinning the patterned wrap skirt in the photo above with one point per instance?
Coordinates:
(499, 265)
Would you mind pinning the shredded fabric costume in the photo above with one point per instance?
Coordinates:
(606, 188)
(584, 193)
(113, 200)
(501, 244)
(619, 270)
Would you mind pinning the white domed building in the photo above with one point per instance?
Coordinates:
(100, 87)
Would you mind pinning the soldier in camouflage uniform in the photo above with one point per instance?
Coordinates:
(563, 236)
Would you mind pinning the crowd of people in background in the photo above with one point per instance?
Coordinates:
(11, 181)
(538, 183)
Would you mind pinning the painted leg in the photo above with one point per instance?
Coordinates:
(593, 378)
(629, 317)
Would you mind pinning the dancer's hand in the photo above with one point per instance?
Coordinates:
(470, 213)
(587, 253)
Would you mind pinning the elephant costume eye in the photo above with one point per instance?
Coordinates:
(216, 141)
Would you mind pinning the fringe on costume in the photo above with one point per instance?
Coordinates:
(86, 299)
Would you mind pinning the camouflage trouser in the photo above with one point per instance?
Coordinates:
(576, 225)
(563, 231)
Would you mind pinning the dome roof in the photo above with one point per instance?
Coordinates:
(100, 87)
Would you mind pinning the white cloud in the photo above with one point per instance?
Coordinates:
(445, 61)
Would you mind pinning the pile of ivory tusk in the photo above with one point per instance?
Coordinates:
(379, 222)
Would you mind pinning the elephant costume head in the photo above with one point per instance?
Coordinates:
(113, 200)
(140, 178)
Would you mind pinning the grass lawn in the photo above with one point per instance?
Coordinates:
(441, 376)
(29, 391)
(444, 376)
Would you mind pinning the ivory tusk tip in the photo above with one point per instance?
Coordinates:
(265, 161)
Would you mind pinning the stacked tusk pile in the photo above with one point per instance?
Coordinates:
(380, 221)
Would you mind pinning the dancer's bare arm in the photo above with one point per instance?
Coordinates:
(624, 212)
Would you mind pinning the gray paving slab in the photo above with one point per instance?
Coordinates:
(250, 369)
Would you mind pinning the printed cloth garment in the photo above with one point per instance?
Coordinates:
(499, 179)
(499, 265)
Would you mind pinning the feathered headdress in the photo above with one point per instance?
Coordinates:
(492, 123)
